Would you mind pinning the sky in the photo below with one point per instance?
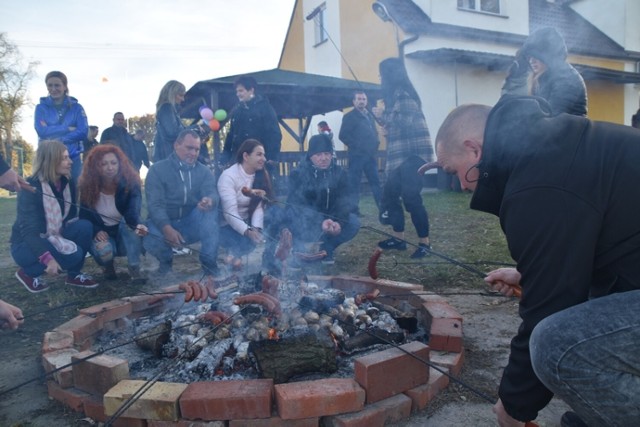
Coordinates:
(118, 54)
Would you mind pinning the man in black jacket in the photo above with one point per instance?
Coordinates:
(358, 132)
(118, 135)
(318, 207)
(565, 191)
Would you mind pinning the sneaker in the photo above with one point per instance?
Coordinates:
(571, 419)
(384, 218)
(181, 251)
(136, 275)
(81, 281)
(393, 243)
(109, 272)
(33, 284)
(422, 251)
(328, 260)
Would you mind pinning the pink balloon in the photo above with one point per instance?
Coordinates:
(206, 114)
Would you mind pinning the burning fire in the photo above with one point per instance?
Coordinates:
(273, 334)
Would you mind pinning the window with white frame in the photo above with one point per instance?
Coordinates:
(318, 23)
(488, 6)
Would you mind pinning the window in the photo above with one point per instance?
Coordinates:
(318, 22)
(488, 6)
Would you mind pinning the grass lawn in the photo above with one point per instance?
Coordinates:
(456, 231)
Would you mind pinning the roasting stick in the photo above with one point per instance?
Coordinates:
(149, 383)
(436, 367)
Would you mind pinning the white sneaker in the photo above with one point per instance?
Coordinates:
(182, 251)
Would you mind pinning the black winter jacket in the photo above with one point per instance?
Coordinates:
(564, 188)
(317, 194)
(359, 133)
(255, 119)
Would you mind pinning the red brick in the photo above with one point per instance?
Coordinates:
(203, 423)
(158, 423)
(108, 311)
(54, 360)
(449, 360)
(144, 302)
(129, 422)
(99, 373)
(446, 335)
(377, 414)
(418, 298)
(423, 394)
(94, 409)
(444, 324)
(227, 400)
(309, 399)
(57, 340)
(393, 371)
(71, 397)
(81, 326)
(275, 422)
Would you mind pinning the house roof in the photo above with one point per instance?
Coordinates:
(494, 61)
(292, 94)
(580, 35)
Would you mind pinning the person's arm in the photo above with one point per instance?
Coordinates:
(229, 202)
(169, 124)
(552, 236)
(30, 219)
(44, 129)
(156, 203)
(347, 130)
(79, 123)
(133, 205)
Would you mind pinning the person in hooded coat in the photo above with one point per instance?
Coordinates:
(541, 63)
(319, 205)
(563, 189)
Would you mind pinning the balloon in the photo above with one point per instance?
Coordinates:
(214, 125)
(206, 113)
(220, 114)
(202, 107)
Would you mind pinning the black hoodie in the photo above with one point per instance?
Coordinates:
(566, 191)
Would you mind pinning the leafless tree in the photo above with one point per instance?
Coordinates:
(14, 79)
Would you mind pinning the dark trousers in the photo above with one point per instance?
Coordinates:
(80, 232)
(403, 185)
(360, 163)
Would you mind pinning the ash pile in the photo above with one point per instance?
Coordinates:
(263, 327)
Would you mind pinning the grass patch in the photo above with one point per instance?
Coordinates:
(456, 231)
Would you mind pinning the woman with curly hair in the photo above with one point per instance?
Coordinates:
(111, 198)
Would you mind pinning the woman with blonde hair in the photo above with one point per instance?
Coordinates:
(47, 237)
(111, 199)
(168, 121)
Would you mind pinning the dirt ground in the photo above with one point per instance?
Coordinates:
(489, 323)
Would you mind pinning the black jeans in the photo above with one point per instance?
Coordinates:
(403, 185)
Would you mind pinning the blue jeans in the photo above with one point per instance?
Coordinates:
(589, 356)
(80, 232)
(359, 163)
(76, 168)
(198, 226)
(236, 244)
(126, 243)
(307, 233)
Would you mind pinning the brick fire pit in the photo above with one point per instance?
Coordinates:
(387, 385)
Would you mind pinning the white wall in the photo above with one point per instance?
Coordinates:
(325, 58)
(513, 18)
